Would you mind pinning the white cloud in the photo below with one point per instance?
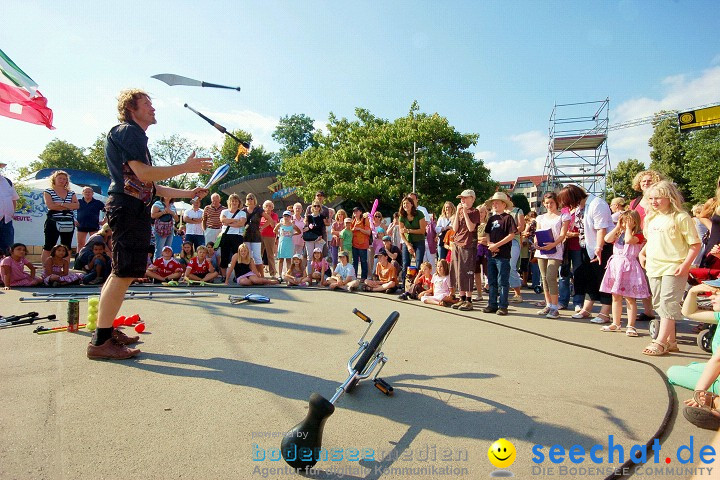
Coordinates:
(485, 155)
(533, 143)
(506, 170)
(682, 92)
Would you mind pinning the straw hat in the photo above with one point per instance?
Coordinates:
(499, 196)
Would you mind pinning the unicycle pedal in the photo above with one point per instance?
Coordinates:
(383, 386)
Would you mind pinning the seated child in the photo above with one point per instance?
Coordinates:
(422, 282)
(99, 266)
(344, 274)
(439, 293)
(56, 269)
(12, 269)
(199, 267)
(166, 267)
(387, 275)
(318, 268)
(243, 265)
(295, 275)
(187, 252)
(213, 255)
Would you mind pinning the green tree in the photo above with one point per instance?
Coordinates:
(295, 135)
(521, 202)
(702, 152)
(619, 180)
(174, 150)
(368, 158)
(95, 156)
(57, 154)
(668, 154)
(258, 160)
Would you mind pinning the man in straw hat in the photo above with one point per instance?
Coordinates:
(501, 229)
(462, 268)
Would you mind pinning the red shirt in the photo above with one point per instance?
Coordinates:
(199, 269)
(266, 230)
(166, 269)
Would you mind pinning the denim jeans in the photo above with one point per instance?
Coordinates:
(564, 296)
(498, 281)
(419, 248)
(360, 255)
(515, 280)
(536, 276)
(161, 242)
(196, 240)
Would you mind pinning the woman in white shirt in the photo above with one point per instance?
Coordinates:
(550, 254)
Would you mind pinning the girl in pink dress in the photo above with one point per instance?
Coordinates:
(439, 293)
(624, 277)
(12, 269)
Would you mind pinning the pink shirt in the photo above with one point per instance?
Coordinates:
(17, 269)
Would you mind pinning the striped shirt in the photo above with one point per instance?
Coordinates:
(211, 216)
(56, 199)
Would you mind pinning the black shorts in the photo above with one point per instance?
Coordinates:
(130, 222)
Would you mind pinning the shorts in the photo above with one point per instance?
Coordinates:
(130, 221)
(255, 251)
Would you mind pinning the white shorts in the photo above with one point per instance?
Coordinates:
(255, 251)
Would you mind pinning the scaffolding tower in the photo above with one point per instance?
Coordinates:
(577, 149)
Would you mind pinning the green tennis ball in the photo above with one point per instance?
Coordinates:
(91, 327)
(93, 301)
(92, 318)
(93, 310)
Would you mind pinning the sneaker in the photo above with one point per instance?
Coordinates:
(465, 306)
(110, 350)
(562, 307)
(502, 311)
(544, 311)
(478, 298)
(516, 299)
(120, 336)
(96, 281)
(489, 309)
(578, 308)
(600, 319)
(403, 296)
(553, 313)
(457, 304)
(351, 289)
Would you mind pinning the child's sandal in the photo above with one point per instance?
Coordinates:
(613, 327)
(656, 349)
(631, 332)
(704, 415)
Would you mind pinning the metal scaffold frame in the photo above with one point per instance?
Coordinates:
(577, 146)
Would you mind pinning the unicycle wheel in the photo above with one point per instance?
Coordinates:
(704, 340)
(654, 328)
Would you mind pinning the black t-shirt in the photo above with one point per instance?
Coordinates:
(252, 227)
(317, 222)
(395, 251)
(126, 142)
(499, 227)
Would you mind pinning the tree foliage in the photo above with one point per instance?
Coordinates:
(702, 153)
(370, 157)
(620, 179)
(295, 135)
(174, 150)
(668, 152)
(60, 154)
(258, 160)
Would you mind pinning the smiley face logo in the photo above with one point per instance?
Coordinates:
(502, 453)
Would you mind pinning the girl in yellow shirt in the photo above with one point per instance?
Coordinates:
(672, 244)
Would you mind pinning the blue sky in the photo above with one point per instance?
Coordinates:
(492, 68)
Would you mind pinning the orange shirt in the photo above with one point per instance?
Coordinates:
(386, 274)
(360, 240)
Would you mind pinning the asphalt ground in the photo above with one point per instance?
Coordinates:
(216, 386)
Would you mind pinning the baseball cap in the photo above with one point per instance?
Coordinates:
(297, 255)
(387, 237)
(348, 220)
(343, 253)
(358, 209)
(317, 250)
(167, 247)
(382, 251)
(287, 213)
(467, 193)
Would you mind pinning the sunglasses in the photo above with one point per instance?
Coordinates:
(378, 216)
(316, 206)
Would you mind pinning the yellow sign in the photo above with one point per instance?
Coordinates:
(700, 118)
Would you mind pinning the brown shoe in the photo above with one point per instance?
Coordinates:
(110, 350)
(123, 339)
(466, 306)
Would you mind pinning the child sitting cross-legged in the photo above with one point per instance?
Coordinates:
(439, 293)
(422, 282)
(166, 267)
(318, 268)
(295, 275)
(199, 268)
(387, 275)
(56, 269)
(344, 274)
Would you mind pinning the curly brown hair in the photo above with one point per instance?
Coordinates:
(655, 175)
(127, 101)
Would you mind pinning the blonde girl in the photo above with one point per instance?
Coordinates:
(443, 225)
(439, 293)
(243, 264)
(336, 243)
(296, 275)
(672, 244)
(624, 277)
(548, 260)
(318, 267)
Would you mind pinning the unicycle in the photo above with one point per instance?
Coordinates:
(300, 446)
